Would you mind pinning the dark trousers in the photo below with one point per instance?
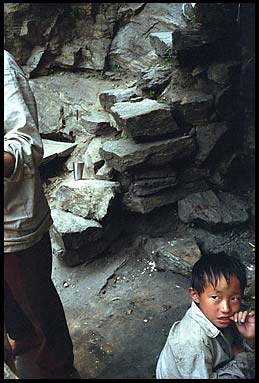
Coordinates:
(33, 309)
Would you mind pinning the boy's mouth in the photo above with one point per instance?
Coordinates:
(224, 320)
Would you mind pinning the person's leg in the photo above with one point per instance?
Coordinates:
(28, 276)
(19, 328)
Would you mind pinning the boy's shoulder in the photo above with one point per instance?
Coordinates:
(193, 329)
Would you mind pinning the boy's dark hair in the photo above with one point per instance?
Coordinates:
(209, 268)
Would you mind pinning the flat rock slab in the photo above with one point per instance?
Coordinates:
(89, 199)
(212, 210)
(97, 123)
(75, 231)
(53, 149)
(177, 255)
(192, 106)
(144, 120)
(125, 153)
(147, 203)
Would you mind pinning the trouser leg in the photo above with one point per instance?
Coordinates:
(18, 326)
(28, 277)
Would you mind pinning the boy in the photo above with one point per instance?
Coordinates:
(214, 340)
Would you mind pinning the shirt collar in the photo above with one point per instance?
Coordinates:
(197, 315)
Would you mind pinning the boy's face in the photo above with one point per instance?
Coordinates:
(219, 303)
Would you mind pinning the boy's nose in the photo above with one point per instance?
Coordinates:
(225, 307)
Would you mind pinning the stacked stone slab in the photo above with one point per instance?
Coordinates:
(204, 93)
(148, 152)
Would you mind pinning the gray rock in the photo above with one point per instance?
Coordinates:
(144, 120)
(154, 79)
(70, 36)
(75, 230)
(186, 39)
(62, 100)
(146, 204)
(233, 209)
(177, 255)
(131, 48)
(92, 158)
(233, 242)
(89, 199)
(105, 173)
(192, 106)
(147, 186)
(202, 206)
(207, 138)
(97, 123)
(212, 210)
(53, 149)
(125, 153)
(223, 73)
(220, 175)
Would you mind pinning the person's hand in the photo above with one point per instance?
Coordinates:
(245, 322)
(9, 164)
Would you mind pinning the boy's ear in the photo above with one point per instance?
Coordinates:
(194, 295)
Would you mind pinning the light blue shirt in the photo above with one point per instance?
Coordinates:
(196, 349)
(27, 214)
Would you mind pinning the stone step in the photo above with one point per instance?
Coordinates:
(191, 106)
(146, 204)
(123, 154)
(144, 120)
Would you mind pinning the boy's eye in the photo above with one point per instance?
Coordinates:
(215, 297)
(236, 299)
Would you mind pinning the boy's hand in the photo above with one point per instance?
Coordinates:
(245, 323)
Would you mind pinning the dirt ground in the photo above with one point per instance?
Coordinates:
(119, 311)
